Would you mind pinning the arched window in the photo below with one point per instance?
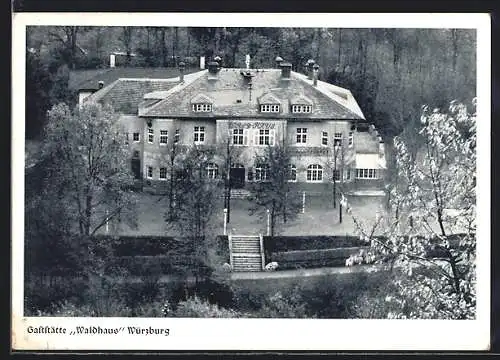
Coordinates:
(314, 173)
(212, 171)
(292, 172)
(262, 172)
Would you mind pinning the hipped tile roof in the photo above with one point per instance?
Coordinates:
(232, 97)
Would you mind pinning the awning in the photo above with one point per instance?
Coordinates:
(367, 161)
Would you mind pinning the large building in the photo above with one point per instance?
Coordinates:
(322, 124)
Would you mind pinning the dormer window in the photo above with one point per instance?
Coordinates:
(201, 103)
(269, 103)
(270, 108)
(202, 107)
(297, 109)
(301, 105)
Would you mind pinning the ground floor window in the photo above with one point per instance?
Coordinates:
(366, 174)
(336, 174)
(315, 173)
(212, 171)
(163, 173)
(347, 174)
(261, 172)
(150, 172)
(292, 173)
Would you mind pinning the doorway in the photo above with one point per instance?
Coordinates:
(237, 176)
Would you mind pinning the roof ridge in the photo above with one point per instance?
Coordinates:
(183, 85)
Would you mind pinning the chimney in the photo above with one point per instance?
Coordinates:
(315, 74)
(278, 60)
(182, 66)
(213, 67)
(101, 84)
(381, 148)
(310, 63)
(112, 58)
(286, 69)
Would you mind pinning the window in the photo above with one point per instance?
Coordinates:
(264, 138)
(337, 139)
(202, 107)
(237, 136)
(212, 171)
(136, 137)
(150, 172)
(262, 172)
(296, 109)
(366, 173)
(163, 137)
(151, 136)
(163, 173)
(324, 138)
(301, 135)
(292, 173)
(177, 136)
(347, 174)
(315, 173)
(336, 174)
(351, 139)
(199, 134)
(270, 108)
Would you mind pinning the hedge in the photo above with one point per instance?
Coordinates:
(313, 258)
(142, 245)
(290, 243)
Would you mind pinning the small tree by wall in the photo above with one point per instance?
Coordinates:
(271, 189)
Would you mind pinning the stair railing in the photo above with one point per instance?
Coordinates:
(261, 241)
(230, 250)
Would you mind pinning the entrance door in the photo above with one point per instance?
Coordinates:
(136, 168)
(237, 176)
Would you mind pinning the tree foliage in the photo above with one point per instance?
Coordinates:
(90, 165)
(272, 191)
(431, 225)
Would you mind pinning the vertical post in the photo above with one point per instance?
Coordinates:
(225, 221)
(340, 212)
(334, 170)
(107, 222)
(303, 202)
(268, 222)
(263, 260)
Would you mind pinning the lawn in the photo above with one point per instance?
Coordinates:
(319, 217)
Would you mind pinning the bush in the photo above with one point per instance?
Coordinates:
(289, 243)
(312, 258)
(197, 308)
(46, 297)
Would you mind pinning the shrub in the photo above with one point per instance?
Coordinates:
(289, 243)
(198, 308)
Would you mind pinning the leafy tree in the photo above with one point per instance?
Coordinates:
(91, 164)
(195, 209)
(272, 190)
(430, 231)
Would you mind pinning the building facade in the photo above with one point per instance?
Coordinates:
(250, 109)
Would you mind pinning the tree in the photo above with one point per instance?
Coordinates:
(196, 205)
(433, 236)
(229, 154)
(272, 190)
(126, 37)
(90, 164)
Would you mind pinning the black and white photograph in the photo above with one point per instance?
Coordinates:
(179, 171)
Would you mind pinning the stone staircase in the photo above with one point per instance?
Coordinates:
(246, 253)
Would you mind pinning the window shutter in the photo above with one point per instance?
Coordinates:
(256, 137)
(271, 137)
(245, 136)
